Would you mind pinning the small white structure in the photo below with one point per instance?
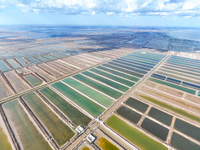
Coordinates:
(90, 138)
(79, 129)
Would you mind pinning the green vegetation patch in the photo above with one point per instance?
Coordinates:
(88, 105)
(76, 116)
(173, 86)
(104, 144)
(33, 80)
(176, 110)
(58, 129)
(28, 134)
(133, 135)
(100, 98)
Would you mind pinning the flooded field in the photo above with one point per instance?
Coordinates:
(42, 59)
(58, 129)
(24, 129)
(187, 129)
(161, 116)
(23, 61)
(49, 57)
(132, 73)
(75, 115)
(154, 128)
(135, 65)
(133, 135)
(138, 105)
(106, 81)
(182, 143)
(107, 90)
(127, 67)
(85, 103)
(14, 64)
(100, 98)
(118, 79)
(129, 114)
(134, 79)
(3, 66)
(34, 81)
(33, 60)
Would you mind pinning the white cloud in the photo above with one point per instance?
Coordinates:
(126, 7)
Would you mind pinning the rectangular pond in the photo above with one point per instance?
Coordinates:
(33, 60)
(187, 129)
(155, 129)
(34, 81)
(134, 79)
(106, 81)
(14, 64)
(75, 115)
(182, 143)
(42, 58)
(118, 79)
(136, 74)
(58, 129)
(133, 135)
(23, 61)
(24, 129)
(107, 90)
(138, 105)
(85, 103)
(173, 86)
(129, 114)
(160, 116)
(3, 66)
(127, 67)
(99, 97)
(49, 57)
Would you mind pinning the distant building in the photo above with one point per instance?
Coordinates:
(90, 138)
(79, 129)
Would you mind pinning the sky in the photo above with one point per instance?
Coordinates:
(173, 13)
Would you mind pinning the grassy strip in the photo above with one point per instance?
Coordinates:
(176, 110)
(106, 145)
(173, 86)
(135, 136)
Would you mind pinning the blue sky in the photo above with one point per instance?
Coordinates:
(184, 13)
